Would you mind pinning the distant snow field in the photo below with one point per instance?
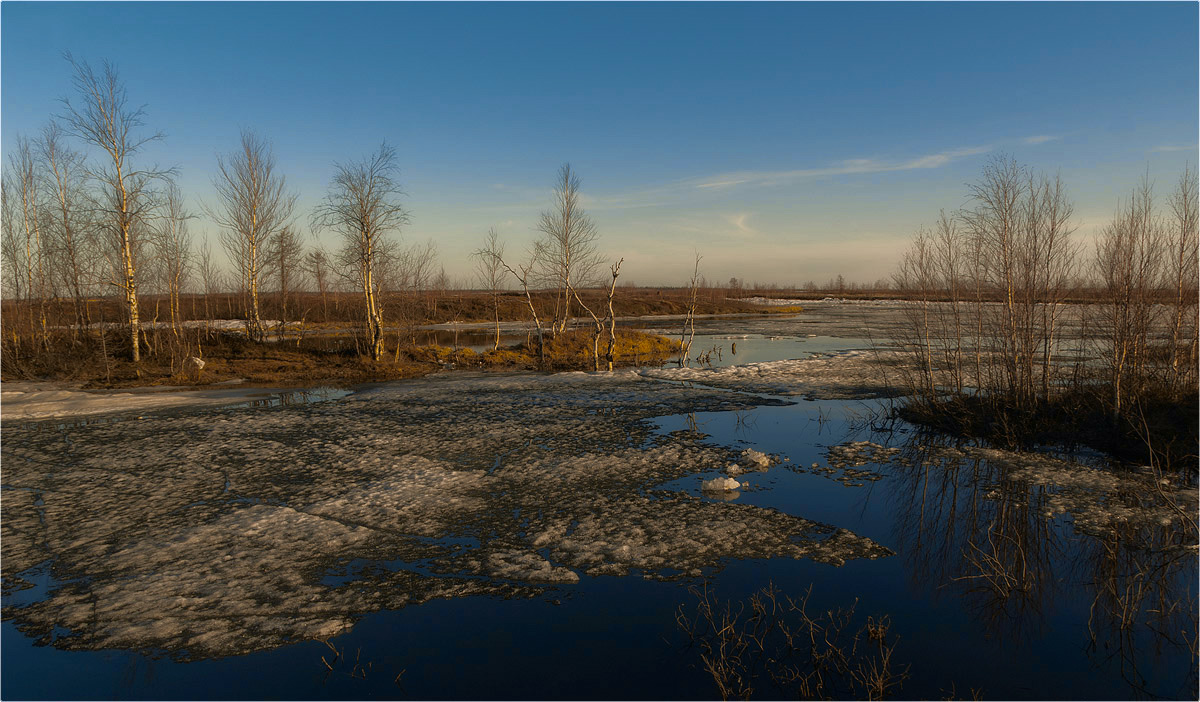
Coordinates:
(30, 401)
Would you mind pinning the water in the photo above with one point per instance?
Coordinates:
(615, 637)
(1035, 645)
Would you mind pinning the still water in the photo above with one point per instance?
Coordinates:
(616, 637)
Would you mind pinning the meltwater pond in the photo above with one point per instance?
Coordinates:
(525, 536)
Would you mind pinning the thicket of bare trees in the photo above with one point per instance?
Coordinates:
(253, 208)
(71, 232)
(83, 217)
(989, 283)
(363, 208)
(78, 227)
(1146, 264)
(173, 253)
(285, 259)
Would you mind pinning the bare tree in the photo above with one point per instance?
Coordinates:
(1182, 278)
(599, 327)
(489, 268)
(689, 320)
(69, 220)
(523, 273)
(409, 272)
(1128, 262)
(949, 266)
(317, 265)
(1049, 261)
(992, 223)
(916, 277)
(285, 258)
(11, 241)
(173, 251)
(253, 206)
(28, 190)
(1019, 226)
(568, 255)
(210, 278)
(103, 118)
(612, 319)
(363, 207)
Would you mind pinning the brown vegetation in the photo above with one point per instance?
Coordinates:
(773, 641)
(991, 283)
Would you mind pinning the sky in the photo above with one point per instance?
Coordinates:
(782, 142)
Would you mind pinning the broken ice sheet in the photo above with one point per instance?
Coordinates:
(211, 534)
(1097, 498)
(851, 374)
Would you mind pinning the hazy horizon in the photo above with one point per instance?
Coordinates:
(782, 142)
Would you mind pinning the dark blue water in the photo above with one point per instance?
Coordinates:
(616, 637)
(1037, 646)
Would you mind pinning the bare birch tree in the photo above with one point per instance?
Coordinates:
(489, 268)
(568, 255)
(28, 190)
(612, 319)
(317, 265)
(253, 206)
(409, 272)
(211, 278)
(173, 251)
(285, 259)
(102, 117)
(1182, 279)
(69, 218)
(689, 320)
(1020, 230)
(916, 277)
(10, 243)
(363, 207)
(993, 224)
(523, 273)
(1128, 262)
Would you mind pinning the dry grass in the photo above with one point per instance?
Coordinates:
(772, 640)
(99, 360)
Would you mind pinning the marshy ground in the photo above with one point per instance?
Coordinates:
(521, 535)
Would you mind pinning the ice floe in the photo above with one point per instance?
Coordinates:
(851, 374)
(221, 531)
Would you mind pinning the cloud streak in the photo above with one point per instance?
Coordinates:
(1169, 148)
(739, 223)
(846, 167)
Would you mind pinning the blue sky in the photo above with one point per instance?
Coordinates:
(782, 141)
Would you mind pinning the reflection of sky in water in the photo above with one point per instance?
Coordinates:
(1035, 652)
(757, 349)
(615, 637)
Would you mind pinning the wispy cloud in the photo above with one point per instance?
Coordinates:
(849, 166)
(1167, 148)
(668, 194)
(741, 229)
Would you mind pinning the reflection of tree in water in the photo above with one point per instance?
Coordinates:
(1143, 587)
(970, 524)
(962, 527)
